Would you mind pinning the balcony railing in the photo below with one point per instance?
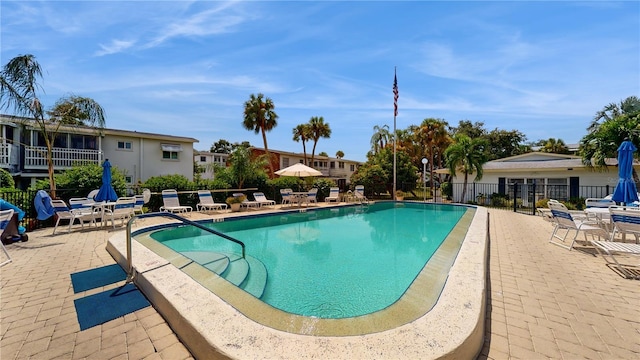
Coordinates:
(35, 157)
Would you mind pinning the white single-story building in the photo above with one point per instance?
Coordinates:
(555, 176)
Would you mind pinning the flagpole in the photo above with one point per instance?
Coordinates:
(395, 138)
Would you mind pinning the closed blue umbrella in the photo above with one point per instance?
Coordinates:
(106, 192)
(625, 191)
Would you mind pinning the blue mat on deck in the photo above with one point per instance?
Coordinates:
(99, 308)
(98, 277)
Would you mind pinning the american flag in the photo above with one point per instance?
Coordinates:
(395, 95)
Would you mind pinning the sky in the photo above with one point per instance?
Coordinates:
(186, 68)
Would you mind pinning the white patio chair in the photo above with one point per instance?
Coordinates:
(624, 220)
(565, 221)
(359, 194)
(334, 195)
(122, 210)
(171, 203)
(92, 194)
(207, 203)
(262, 199)
(312, 196)
(63, 212)
(5, 218)
(138, 208)
(287, 196)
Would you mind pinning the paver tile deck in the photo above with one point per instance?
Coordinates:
(543, 301)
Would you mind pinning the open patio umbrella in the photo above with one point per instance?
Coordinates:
(625, 191)
(106, 192)
(298, 170)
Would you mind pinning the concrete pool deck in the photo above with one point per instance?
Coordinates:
(543, 301)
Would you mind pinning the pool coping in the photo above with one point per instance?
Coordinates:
(208, 325)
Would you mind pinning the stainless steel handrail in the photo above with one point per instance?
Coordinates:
(176, 217)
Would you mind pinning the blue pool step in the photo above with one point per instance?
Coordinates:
(247, 273)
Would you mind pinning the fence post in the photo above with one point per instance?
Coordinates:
(534, 198)
(515, 196)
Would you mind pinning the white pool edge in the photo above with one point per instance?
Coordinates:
(211, 328)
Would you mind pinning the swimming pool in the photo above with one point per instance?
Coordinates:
(213, 316)
(329, 263)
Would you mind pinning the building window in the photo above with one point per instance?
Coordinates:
(341, 164)
(172, 155)
(333, 165)
(352, 168)
(61, 141)
(86, 142)
(285, 162)
(124, 145)
(128, 179)
(203, 159)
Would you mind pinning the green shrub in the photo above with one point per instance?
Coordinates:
(323, 185)
(542, 203)
(81, 179)
(447, 190)
(175, 181)
(6, 180)
(499, 200)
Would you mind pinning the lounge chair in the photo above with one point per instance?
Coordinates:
(172, 203)
(359, 195)
(262, 199)
(564, 220)
(123, 210)
(246, 203)
(206, 202)
(334, 195)
(609, 250)
(599, 203)
(63, 212)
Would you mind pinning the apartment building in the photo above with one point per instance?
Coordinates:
(139, 155)
(208, 160)
(339, 170)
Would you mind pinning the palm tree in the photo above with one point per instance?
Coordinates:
(302, 133)
(260, 117)
(242, 166)
(556, 146)
(380, 137)
(19, 89)
(433, 138)
(339, 154)
(318, 128)
(630, 105)
(602, 142)
(467, 155)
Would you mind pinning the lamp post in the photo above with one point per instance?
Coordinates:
(424, 179)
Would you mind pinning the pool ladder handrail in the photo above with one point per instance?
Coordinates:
(176, 217)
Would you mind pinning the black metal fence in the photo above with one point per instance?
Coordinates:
(524, 197)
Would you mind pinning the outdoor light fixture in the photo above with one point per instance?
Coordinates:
(424, 179)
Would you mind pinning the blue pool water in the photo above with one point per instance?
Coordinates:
(332, 263)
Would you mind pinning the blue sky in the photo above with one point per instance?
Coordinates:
(187, 67)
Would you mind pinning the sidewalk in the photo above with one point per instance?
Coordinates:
(544, 301)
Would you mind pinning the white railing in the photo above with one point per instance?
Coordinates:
(35, 157)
